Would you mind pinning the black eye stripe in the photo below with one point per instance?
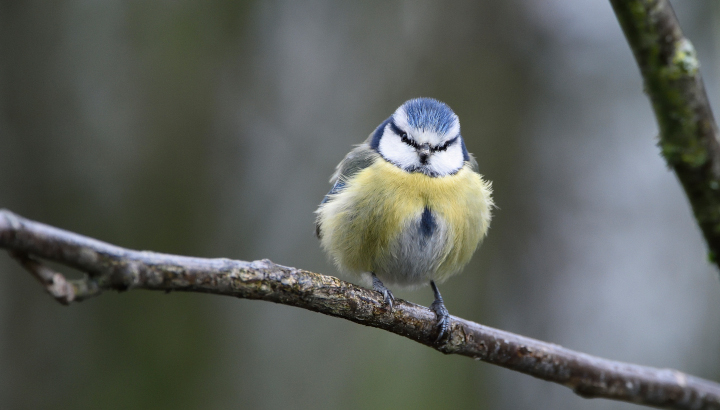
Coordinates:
(403, 136)
(444, 146)
(406, 139)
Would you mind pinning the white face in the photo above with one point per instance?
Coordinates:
(421, 150)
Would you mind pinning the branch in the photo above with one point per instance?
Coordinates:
(688, 133)
(110, 267)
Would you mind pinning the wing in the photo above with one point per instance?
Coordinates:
(355, 161)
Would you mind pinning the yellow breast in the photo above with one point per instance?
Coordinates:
(363, 224)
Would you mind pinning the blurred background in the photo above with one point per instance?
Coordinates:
(211, 129)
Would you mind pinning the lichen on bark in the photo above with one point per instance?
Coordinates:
(688, 137)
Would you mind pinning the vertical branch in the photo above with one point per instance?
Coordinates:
(688, 133)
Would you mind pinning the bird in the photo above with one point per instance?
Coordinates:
(408, 206)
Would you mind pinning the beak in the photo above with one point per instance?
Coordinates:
(424, 153)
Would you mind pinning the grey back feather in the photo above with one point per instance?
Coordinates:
(473, 163)
(355, 161)
(361, 157)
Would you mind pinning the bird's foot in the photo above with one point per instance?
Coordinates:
(387, 295)
(441, 313)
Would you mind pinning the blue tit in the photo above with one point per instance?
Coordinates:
(407, 206)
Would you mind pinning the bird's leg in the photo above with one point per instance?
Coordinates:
(441, 312)
(379, 287)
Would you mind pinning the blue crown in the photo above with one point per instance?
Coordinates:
(430, 115)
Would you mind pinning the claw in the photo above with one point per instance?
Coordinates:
(441, 312)
(387, 295)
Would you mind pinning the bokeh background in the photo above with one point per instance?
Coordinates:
(210, 128)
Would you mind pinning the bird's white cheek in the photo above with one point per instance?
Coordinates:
(448, 161)
(396, 151)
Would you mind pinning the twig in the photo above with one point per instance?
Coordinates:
(688, 133)
(110, 267)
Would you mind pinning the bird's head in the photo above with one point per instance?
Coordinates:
(423, 135)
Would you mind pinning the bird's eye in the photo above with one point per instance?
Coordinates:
(406, 139)
(445, 146)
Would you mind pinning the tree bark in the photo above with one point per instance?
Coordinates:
(110, 267)
(688, 133)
